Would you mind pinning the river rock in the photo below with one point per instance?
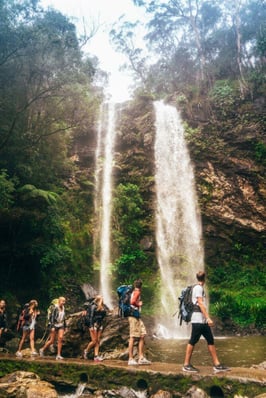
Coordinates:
(162, 394)
(25, 385)
(195, 392)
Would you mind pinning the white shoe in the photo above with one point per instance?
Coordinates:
(33, 353)
(19, 354)
(132, 362)
(41, 352)
(144, 361)
(85, 353)
(58, 357)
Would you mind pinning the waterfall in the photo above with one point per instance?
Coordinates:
(178, 225)
(103, 196)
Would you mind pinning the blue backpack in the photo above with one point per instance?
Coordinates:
(124, 294)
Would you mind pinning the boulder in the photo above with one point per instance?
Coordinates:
(25, 385)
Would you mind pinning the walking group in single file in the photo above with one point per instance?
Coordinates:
(94, 315)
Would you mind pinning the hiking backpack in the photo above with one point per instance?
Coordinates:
(124, 294)
(50, 310)
(21, 317)
(88, 307)
(186, 306)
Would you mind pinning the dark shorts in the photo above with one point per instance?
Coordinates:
(201, 329)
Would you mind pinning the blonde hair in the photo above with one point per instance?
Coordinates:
(99, 302)
(33, 304)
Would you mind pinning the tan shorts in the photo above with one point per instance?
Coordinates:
(136, 327)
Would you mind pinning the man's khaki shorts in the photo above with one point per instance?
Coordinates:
(136, 327)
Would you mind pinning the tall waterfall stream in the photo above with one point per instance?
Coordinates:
(178, 224)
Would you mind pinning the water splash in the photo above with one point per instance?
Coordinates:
(103, 195)
(79, 391)
(178, 225)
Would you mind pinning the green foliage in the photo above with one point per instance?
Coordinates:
(130, 266)
(223, 95)
(245, 308)
(260, 152)
(7, 189)
(127, 217)
(237, 286)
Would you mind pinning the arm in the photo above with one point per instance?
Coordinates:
(135, 298)
(204, 311)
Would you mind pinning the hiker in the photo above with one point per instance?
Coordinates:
(201, 326)
(3, 318)
(57, 325)
(95, 315)
(30, 314)
(137, 328)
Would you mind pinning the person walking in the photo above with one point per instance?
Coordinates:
(30, 315)
(137, 328)
(57, 325)
(201, 326)
(3, 318)
(95, 315)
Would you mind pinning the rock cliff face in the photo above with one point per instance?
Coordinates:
(230, 169)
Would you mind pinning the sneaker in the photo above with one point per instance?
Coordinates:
(52, 348)
(132, 362)
(58, 357)
(144, 361)
(98, 359)
(190, 368)
(41, 352)
(34, 353)
(220, 368)
(19, 354)
(85, 353)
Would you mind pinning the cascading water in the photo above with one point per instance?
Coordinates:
(103, 196)
(178, 225)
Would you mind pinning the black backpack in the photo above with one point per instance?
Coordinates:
(186, 306)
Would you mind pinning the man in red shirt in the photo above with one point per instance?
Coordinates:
(136, 327)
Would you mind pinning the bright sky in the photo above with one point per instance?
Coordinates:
(106, 12)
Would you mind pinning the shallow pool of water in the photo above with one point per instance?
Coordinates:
(232, 351)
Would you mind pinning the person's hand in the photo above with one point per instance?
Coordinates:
(140, 303)
(210, 322)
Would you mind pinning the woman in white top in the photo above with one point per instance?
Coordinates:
(57, 326)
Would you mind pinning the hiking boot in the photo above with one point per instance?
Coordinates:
(85, 353)
(220, 368)
(132, 362)
(98, 359)
(19, 354)
(41, 352)
(58, 357)
(144, 361)
(190, 369)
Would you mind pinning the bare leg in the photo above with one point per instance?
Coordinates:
(23, 338)
(97, 345)
(60, 336)
(189, 352)
(130, 347)
(212, 351)
(50, 340)
(141, 347)
(32, 345)
(92, 343)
